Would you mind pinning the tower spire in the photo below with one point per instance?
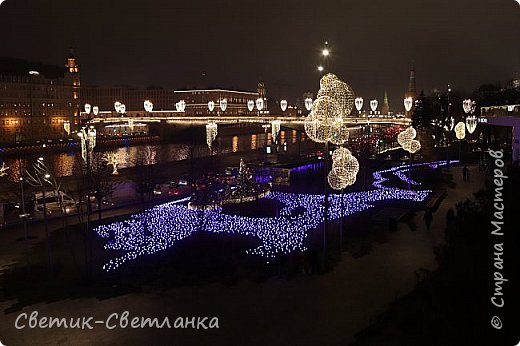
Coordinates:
(412, 90)
(386, 107)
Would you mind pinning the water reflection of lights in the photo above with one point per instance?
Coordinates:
(159, 228)
(234, 144)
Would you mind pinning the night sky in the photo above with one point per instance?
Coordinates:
(232, 44)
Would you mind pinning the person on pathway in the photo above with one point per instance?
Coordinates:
(465, 171)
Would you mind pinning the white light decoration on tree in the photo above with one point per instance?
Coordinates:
(359, 104)
(460, 130)
(95, 110)
(223, 105)
(373, 105)
(117, 106)
(88, 107)
(275, 128)
(3, 169)
(114, 159)
(283, 105)
(308, 103)
(211, 106)
(211, 133)
(148, 106)
(250, 105)
(259, 103)
(408, 103)
(471, 123)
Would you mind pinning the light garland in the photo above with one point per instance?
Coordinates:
(161, 227)
(318, 124)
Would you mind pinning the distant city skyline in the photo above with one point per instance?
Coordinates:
(235, 44)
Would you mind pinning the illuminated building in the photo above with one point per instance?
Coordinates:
(36, 99)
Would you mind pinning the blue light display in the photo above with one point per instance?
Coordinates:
(162, 226)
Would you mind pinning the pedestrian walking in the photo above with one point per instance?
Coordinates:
(465, 173)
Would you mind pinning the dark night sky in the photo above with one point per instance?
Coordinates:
(170, 43)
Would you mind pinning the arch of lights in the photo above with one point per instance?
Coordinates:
(159, 228)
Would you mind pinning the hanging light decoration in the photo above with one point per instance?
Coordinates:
(87, 108)
(211, 106)
(308, 103)
(460, 130)
(275, 128)
(408, 103)
(223, 104)
(180, 106)
(250, 105)
(117, 106)
(148, 106)
(345, 168)
(359, 104)
(318, 123)
(467, 105)
(66, 126)
(283, 105)
(259, 103)
(95, 110)
(211, 133)
(122, 108)
(341, 92)
(471, 123)
(373, 105)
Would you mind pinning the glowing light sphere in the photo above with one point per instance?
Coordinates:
(283, 105)
(408, 103)
(414, 146)
(148, 106)
(95, 110)
(460, 130)
(359, 103)
(318, 124)
(122, 108)
(250, 105)
(259, 103)
(341, 92)
(180, 106)
(471, 123)
(340, 133)
(275, 128)
(467, 105)
(406, 136)
(373, 105)
(308, 103)
(211, 133)
(211, 106)
(223, 104)
(117, 106)
(345, 168)
(87, 108)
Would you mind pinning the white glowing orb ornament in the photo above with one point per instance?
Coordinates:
(308, 103)
(250, 105)
(408, 103)
(148, 106)
(460, 130)
(95, 110)
(223, 105)
(259, 103)
(211, 106)
(122, 108)
(88, 107)
(373, 105)
(117, 106)
(283, 105)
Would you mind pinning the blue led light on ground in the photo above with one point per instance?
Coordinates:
(162, 226)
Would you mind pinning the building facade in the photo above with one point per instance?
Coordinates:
(36, 100)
